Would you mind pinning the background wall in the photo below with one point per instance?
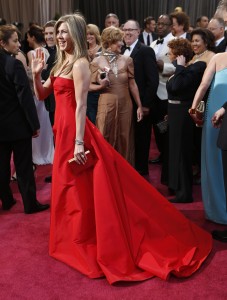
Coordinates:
(95, 10)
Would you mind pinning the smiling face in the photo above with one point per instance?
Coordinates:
(12, 45)
(198, 44)
(49, 36)
(64, 39)
(91, 38)
(131, 32)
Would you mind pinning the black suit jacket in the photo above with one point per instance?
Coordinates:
(146, 73)
(222, 137)
(18, 115)
(221, 47)
(141, 39)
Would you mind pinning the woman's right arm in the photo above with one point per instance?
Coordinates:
(42, 91)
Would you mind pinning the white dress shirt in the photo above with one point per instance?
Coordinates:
(161, 52)
(145, 34)
(128, 52)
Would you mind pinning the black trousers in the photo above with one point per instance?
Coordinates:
(158, 112)
(22, 154)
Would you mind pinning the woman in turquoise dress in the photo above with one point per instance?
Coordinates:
(213, 192)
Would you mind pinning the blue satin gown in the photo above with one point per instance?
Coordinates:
(213, 192)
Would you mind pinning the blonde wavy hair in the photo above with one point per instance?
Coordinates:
(94, 30)
(77, 30)
(111, 35)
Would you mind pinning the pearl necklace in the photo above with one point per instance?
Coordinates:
(197, 56)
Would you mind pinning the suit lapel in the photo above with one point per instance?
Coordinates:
(135, 50)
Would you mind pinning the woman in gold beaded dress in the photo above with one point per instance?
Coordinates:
(114, 116)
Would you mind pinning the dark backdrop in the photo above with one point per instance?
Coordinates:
(96, 10)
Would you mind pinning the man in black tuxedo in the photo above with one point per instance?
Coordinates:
(217, 27)
(19, 122)
(220, 117)
(51, 47)
(146, 77)
(148, 35)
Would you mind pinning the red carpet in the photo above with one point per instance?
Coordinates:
(27, 271)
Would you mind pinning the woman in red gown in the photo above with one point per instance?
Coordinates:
(106, 220)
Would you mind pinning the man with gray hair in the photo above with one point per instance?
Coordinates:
(111, 20)
(221, 11)
(217, 27)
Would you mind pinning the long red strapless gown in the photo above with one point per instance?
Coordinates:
(106, 220)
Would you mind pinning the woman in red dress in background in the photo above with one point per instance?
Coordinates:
(106, 220)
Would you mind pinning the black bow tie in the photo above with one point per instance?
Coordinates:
(127, 47)
(159, 41)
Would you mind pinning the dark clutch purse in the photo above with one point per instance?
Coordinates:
(162, 126)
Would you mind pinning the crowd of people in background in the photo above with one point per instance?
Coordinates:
(141, 78)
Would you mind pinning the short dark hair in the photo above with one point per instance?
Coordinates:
(147, 20)
(182, 19)
(200, 18)
(181, 46)
(50, 23)
(2, 21)
(207, 36)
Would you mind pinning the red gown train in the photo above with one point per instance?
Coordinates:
(106, 220)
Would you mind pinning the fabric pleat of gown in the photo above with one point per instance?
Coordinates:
(106, 220)
(212, 182)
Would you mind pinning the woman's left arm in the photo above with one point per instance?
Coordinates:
(81, 79)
